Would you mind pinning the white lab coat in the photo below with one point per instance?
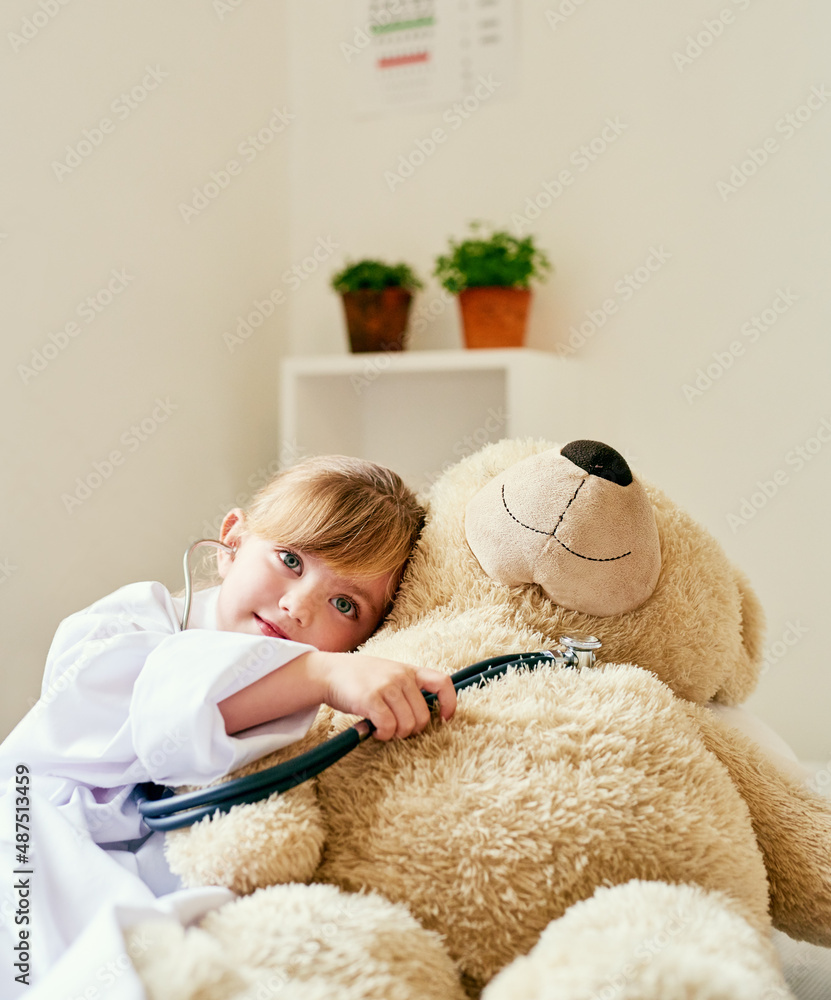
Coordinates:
(126, 698)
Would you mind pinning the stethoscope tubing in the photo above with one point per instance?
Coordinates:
(189, 575)
(171, 811)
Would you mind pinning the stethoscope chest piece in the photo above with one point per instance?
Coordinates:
(582, 646)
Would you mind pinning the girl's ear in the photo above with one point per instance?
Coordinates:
(231, 532)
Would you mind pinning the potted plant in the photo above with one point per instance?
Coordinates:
(376, 301)
(491, 273)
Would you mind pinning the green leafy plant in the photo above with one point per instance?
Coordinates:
(375, 276)
(494, 258)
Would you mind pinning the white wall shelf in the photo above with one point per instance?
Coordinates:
(419, 411)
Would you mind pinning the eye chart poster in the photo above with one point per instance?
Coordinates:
(422, 54)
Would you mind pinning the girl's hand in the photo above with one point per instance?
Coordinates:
(386, 692)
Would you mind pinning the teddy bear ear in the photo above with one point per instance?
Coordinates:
(743, 676)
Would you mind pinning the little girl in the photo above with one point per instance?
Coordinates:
(128, 697)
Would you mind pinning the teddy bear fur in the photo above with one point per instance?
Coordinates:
(565, 820)
(298, 942)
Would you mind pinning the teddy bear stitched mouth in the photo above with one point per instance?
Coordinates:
(553, 534)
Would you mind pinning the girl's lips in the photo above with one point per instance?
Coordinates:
(269, 629)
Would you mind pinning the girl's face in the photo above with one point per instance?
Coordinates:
(282, 593)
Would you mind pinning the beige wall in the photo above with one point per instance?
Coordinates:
(197, 85)
(724, 261)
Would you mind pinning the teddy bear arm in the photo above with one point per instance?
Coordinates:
(792, 826)
(274, 840)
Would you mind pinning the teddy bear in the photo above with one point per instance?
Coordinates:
(581, 832)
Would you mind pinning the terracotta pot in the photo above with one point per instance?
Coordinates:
(494, 316)
(376, 320)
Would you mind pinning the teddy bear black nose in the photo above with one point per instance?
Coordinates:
(599, 460)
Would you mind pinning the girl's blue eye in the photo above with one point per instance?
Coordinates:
(345, 606)
(290, 560)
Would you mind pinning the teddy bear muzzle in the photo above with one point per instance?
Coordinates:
(576, 522)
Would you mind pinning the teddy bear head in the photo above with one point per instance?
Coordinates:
(568, 538)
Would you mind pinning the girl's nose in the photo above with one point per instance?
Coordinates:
(297, 604)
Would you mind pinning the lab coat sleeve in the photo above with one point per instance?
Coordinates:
(79, 729)
(177, 729)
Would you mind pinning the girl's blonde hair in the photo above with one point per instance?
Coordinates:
(357, 516)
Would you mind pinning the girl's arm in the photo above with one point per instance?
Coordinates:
(386, 692)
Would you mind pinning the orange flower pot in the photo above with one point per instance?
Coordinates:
(494, 316)
(376, 320)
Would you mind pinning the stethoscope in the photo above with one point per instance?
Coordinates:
(162, 809)
(189, 574)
